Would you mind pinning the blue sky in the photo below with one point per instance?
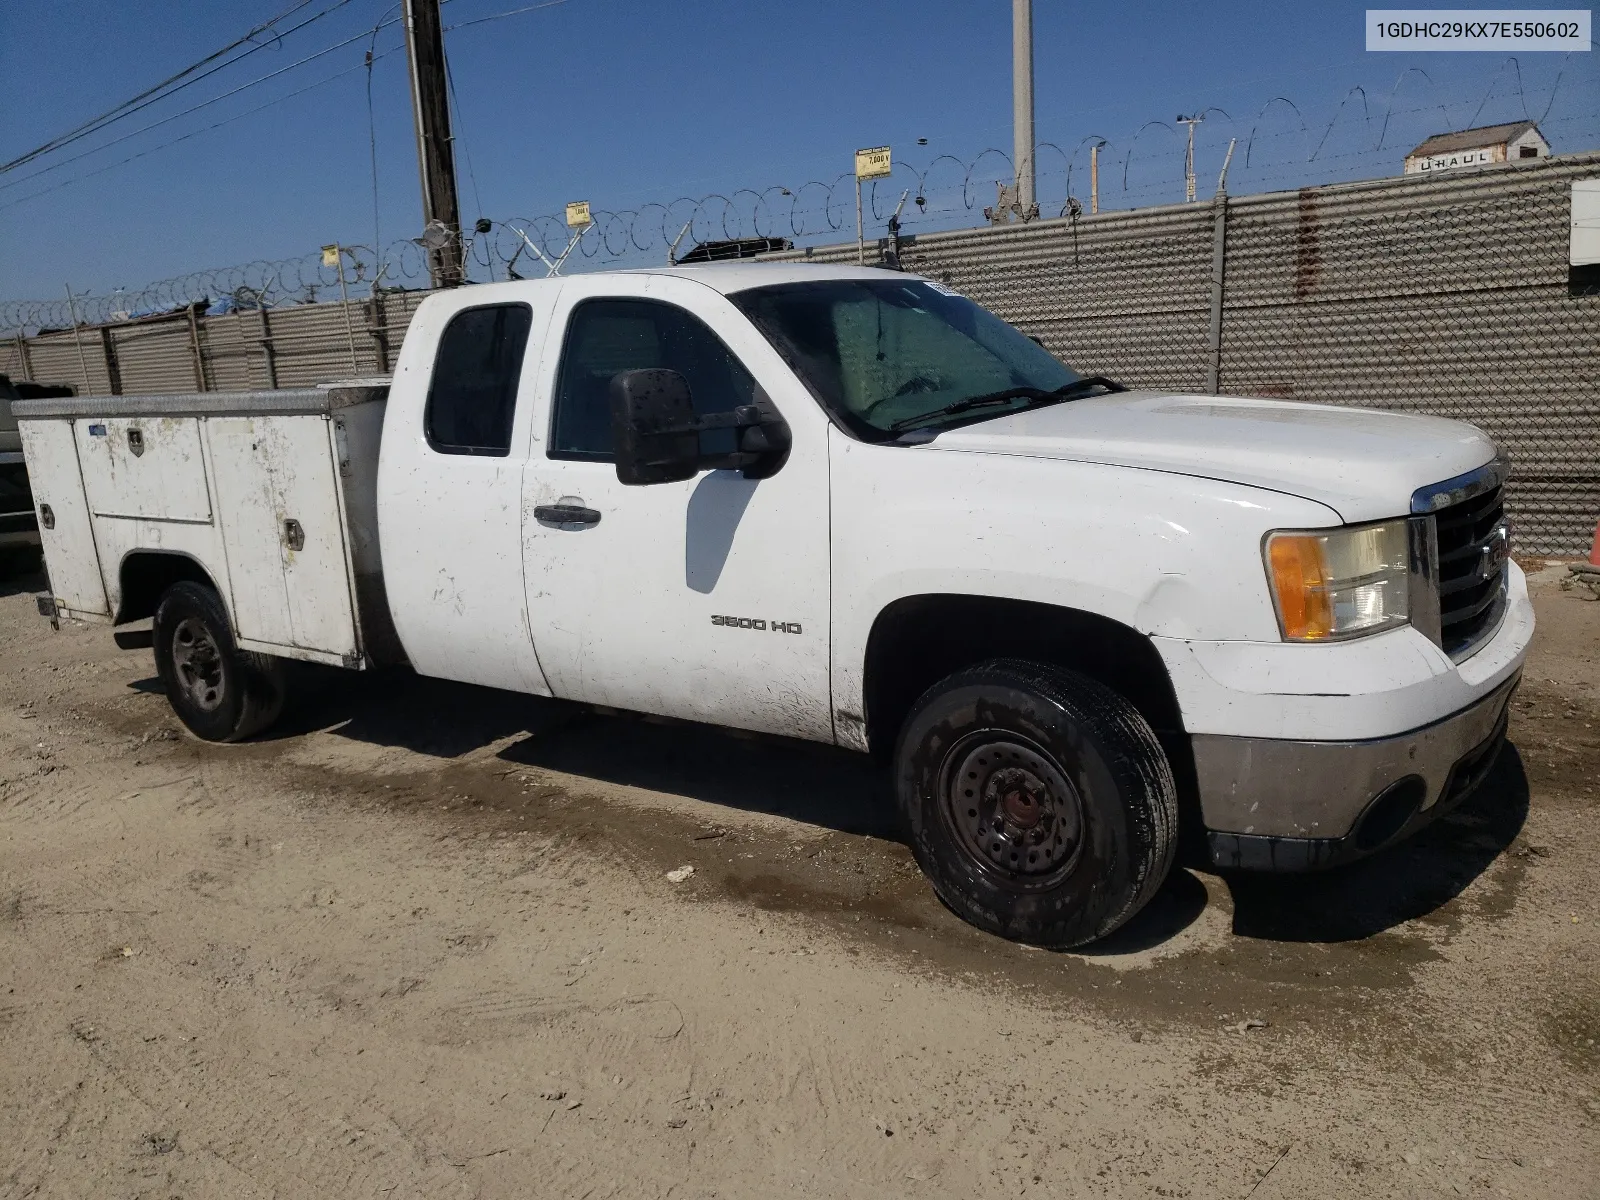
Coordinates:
(624, 102)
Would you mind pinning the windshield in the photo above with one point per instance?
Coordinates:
(888, 356)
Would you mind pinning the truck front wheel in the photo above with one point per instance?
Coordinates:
(1039, 802)
(222, 693)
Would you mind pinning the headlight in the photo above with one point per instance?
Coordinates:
(1339, 583)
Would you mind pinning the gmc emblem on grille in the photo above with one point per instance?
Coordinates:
(1494, 553)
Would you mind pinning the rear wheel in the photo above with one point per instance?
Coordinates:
(1040, 804)
(222, 693)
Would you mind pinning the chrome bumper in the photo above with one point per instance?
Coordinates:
(1278, 805)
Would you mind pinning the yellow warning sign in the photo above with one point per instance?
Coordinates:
(578, 214)
(874, 163)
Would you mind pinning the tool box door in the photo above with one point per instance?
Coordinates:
(283, 531)
(69, 550)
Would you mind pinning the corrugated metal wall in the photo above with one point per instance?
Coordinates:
(288, 347)
(1441, 294)
(150, 355)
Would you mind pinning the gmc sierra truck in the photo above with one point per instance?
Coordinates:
(848, 505)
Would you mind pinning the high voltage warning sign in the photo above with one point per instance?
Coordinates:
(874, 163)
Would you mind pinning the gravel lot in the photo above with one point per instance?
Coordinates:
(422, 942)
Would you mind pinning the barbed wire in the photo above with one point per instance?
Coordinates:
(1278, 143)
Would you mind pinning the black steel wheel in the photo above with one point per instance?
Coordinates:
(221, 693)
(1040, 804)
(1011, 809)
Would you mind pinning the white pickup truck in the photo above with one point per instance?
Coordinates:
(848, 505)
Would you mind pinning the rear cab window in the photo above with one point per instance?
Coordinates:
(472, 396)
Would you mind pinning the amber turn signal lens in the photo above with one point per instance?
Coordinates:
(1339, 583)
(1299, 577)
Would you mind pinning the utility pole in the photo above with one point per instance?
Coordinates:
(436, 160)
(1188, 159)
(1022, 107)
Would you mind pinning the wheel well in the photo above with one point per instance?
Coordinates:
(147, 574)
(919, 640)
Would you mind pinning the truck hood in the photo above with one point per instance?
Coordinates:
(1363, 464)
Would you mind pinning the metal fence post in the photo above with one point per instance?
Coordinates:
(77, 337)
(1219, 262)
(113, 371)
(378, 330)
(1219, 256)
(24, 364)
(267, 352)
(194, 350)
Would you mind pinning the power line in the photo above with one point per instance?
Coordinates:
(164, 89)
(86, 130)
(515, 12)
(192, 109)
(185, 137)
(372, 147)
(455, 104)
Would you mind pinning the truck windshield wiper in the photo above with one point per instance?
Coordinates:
(1078, 386)
(1036, 397)
(971, 402)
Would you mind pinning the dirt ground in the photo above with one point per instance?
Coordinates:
(421, 942)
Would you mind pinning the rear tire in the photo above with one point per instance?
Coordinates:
(1040, 804)
(221, 693)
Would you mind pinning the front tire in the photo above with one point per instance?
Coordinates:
(1040, 804)
(221, 693)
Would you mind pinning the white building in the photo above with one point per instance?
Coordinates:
(1477, 148)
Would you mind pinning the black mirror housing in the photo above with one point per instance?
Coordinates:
(656, 433)
(653, 427)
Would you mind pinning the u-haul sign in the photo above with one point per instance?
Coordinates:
(1427, 164)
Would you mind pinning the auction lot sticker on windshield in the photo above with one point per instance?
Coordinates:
(936, 286)
(1496, 29)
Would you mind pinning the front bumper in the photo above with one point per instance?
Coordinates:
(1342, 800)
(1296, 745)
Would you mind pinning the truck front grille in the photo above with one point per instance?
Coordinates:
(1473, 551)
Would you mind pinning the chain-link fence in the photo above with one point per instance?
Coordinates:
(1447, 295)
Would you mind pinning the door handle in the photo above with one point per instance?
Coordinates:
(567, 515)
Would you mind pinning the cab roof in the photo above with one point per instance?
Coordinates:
(729, 277)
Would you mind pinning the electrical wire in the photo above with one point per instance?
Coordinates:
(188, 111)
(455, 124)
(185, 137)
(372, 150)
(166, 87)
(382, 24)
(515, 12)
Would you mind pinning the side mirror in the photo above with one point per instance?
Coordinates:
(653, 427)
(656, 433)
